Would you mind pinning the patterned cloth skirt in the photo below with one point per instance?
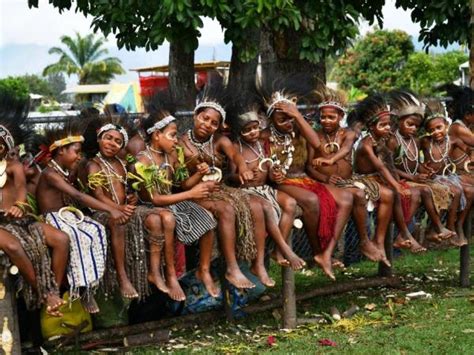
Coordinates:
(87, 251)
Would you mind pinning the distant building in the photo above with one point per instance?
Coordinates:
(465, 78)
(126, 95)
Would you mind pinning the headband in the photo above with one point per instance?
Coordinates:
(161, 124)
(377, 116)
(110, 127)
(7, 137)
(277, 98)
(334, 104)
(65, 141)
(211, 104)
(433, 116)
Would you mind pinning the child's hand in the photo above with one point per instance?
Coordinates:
(257, 174)
(323, 161)
(132, 199)
(200, 191)
(277, 175)
(290, 109)
(403, 192)
(118, 216)
(245, 176)
(128, 209)
(420, 178)
(203, 169)
(213, 186)
(334, 179)
(14, 212)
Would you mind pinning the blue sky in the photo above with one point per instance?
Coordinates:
(27, 34)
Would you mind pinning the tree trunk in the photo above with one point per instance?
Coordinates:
(181, 76)
(242, 74)
(280, 58)
(471, 48)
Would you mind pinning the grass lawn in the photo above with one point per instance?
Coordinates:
(387, 323)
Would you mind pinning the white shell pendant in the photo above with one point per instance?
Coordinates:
(215, 175)
(3, 172)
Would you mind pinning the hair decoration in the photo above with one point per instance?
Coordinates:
(114, 127)
(333, 104)
(161, 124)
(247, 117)
(277, 97)
(65, 141)
(378, 116)
(211, 104)
(7, 137)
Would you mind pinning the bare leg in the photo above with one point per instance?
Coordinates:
(469, 193)
(59, 243)
(225, 216)
(359, 212)
(175, 291)
(440, 231)
(204, 272)
(309, 203)
(384, 216)
(156, 236)
(117, 238)
(404, 239)
(258, 266)
(288, 209)
(344, 202)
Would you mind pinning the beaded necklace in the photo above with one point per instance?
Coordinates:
(331, 146)
(258, 152)
(112, 173)
(406, 152)
(285, 141)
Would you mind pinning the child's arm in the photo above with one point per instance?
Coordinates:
(233, 176)
(19, 182)
(368, 150)
(245, 174)
(350, 138)
(305, 128)
(98, 192)
(463, 133)
(312, 172)
(57, 182)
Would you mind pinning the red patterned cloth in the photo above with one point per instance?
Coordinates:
(327, 207)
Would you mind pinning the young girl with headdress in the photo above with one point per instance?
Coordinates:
(286, 140)
(161, 166)
(279, 208)
(408, 112)
(438, 147)
(205, 153)
(374, 163)
(331, 162)
(107, 180)
(56, 196)
(22, 238)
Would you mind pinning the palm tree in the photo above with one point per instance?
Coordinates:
(83, 57)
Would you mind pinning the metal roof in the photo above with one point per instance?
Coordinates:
(197, 67)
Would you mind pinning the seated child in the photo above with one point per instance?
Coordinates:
(108, 182)
(25, 241)
(331, 162)
(279, 208)
(56, 197)
(409, 112)
(160, 166)
(374, 161)
(437, 148)
(326, 209)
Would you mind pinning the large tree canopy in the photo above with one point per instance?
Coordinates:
(84, 57)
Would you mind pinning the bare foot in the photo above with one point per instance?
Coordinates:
(127, 290)
(157, 280)
(295, 261)
(370, 250)
(401, 243)
(175, 292)
(236, 278)
(446, 233)
(337, 264)
(53, 303)
(326, 264)
(459, 240)
(278, 257)
(206, 279)
(262, 274)
(90, 304)
(416, 248)
(434, 237)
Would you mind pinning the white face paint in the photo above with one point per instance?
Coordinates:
(252, 131)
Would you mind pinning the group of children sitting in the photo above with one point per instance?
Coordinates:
(99, 202)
